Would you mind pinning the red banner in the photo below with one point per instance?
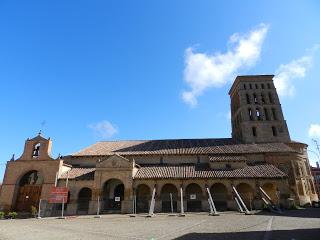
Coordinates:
(58, 195)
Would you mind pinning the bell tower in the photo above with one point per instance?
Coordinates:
(256, 113)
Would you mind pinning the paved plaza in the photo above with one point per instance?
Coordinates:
(292, 225)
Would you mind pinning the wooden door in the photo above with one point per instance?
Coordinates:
(28, 195)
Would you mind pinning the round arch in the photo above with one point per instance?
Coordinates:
(194, 196)
(271, 190)
(167, 192)
(143, 195)
(219, 193)
(29, 191)
(246, 192)
(113, 195)
(83, 201)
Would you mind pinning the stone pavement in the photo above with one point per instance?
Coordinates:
(292, 225)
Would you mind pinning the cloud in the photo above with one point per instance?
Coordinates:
(228, 115)
(314, 130)
(103, 129)
(204, 70)
(295, 69)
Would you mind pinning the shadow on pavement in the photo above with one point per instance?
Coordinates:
(302, 213)
(296, 234)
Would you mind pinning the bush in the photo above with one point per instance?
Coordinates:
(2, 215)
(34, 211)
(12, 215)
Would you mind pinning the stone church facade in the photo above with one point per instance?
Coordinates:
(112, 174)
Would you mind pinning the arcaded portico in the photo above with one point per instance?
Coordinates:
(259, 164)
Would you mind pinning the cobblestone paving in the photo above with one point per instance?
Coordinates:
(292, 225)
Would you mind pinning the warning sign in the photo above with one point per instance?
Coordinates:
(58, 195)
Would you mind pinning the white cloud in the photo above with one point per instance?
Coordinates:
(295, 69)
(228, 115)
(286, 73)
(103, 129)
(204, 70)
(314, 130)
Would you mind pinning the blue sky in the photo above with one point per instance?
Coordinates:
(98, 70)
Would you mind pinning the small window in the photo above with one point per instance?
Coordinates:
(270, 98)
(255, 99)
(266, 113)
(244, 86)
(262, 86)
(250, 114)
(274, 113)
(263, 100)
(254, 131)
(250, 85)
(257, 86)
(248, 99)
(274, 131)
(269, 86)
(258, 114)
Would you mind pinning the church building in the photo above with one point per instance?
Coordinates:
(172, 174)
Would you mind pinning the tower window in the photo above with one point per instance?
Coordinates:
(254, 131)
(244, 86)
(250, 85)
(270, 98)
(255, 99)
(262, 86)
(266, 113)
(269, 86)
(258, 114)
(274, 113)
(36, 150)
(257, 86)
(262, 98)
(250, 114)
(274, 131)
(248, 99)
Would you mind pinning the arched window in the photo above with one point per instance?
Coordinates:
(274, 131)
(248, 98)
(258, 114)
(250, 114)
(263, 100)
(267, 114)
(36, 151)
(270, 98)
(254, 131)
(255, 99)
(274, 113)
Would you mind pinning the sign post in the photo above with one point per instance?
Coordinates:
(39, 209)
(59, 195)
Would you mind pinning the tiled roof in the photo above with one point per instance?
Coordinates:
(79, 174)
(227, 158)
(179, 147)
(192, 171)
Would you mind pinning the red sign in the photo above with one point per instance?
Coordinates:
(58, 195)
